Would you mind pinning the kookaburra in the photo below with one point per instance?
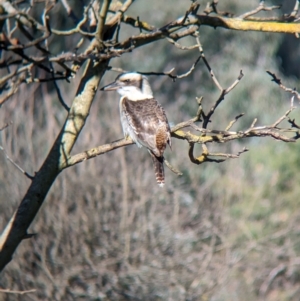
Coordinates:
(143, 119)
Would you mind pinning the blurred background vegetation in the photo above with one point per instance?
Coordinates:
(225, 231)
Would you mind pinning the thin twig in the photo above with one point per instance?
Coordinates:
(60, 98)
(16, 165)
(172, 168)
(179, 46)
(220, 99)
(279, 83)
(294, 13)
(206, 63)
(261, 7)
(167, 73)
(231, 123)
(293, 123)
(70, 11)
(120, 12)
(8, 291)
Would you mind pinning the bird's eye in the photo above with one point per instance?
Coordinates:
(127, 81)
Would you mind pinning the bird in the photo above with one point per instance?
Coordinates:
(143, 118)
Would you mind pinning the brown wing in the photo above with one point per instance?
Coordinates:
(149, 122)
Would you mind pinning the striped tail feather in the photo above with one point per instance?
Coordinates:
(158, 169)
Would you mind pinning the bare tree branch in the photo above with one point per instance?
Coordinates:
(102, 18)
(8, 291)
(205, 156)
(207, 136)
(16, 165)
(261, 7)
(16, 229)
(220, 99)
(279, 83)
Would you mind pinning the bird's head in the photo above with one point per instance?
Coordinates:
(132, 85)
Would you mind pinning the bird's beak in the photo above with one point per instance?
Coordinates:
(111, 87)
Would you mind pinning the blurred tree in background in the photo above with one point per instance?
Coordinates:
(226, 231)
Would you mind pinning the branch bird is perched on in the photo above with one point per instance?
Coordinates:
(143, 119)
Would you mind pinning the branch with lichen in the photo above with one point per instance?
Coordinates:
(187, 25)
(206, 136)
